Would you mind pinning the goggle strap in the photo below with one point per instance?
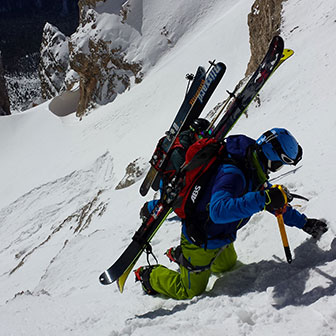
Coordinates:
(273, 140)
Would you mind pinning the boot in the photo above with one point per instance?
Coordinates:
(174, 254)
(142, 274)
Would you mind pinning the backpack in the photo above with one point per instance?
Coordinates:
(203, 159)
(171, 160)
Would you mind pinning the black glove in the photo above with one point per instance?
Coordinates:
(144, 212)
(274, 199)
(315, 227)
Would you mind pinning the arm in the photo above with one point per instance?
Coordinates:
(227, 203)
(293, 217)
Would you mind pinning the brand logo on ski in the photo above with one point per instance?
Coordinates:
(194, 98)
(211, 77)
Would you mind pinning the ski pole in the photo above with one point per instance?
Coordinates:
(189, 77)
(212, 64)
(225, 103)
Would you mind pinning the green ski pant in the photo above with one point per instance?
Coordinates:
(187, 284)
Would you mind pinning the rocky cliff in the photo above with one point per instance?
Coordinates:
(99, 56)
(54, 62)
(264, 23)
(109, 52)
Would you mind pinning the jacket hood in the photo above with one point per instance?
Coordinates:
(237, 146)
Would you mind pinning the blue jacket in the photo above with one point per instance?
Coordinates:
(232, 197)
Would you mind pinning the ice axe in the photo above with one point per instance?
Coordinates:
(288, 198)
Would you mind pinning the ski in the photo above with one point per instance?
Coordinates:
(274, 57)
(120, 270)
(191, 108)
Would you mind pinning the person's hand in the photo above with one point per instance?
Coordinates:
(315, 227)
(275, 199)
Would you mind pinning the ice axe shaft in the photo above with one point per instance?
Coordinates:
(284, 238)
(288, 198)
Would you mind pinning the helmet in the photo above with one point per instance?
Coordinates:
(200, 125)
(278, 147)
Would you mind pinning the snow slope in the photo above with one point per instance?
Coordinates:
(62, 222)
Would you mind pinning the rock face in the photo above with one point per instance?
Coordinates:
(4, 101)
(95, 56)
(134, 172)
(101, 63)
(54, 61)
(114, 45)
(264, 23)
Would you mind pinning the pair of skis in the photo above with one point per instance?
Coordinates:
(198, 95)
(274, 57)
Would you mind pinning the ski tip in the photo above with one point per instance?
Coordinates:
(277, 38)
(105, 278)
(142, 191)
(120, 286)
(222, 65)
(287, 53)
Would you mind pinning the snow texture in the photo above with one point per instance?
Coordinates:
(62, 222)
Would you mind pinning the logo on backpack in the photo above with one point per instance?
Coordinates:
(195, 192)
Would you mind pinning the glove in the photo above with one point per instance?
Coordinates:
(144, 212)
(315, 227)
(274, 199)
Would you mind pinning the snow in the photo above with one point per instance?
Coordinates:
(62, 222)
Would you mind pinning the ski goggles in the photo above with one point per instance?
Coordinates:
(274, 166)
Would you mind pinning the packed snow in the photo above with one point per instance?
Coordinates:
(62, 222)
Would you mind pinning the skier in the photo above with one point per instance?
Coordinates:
(233, 194)
(196, 131)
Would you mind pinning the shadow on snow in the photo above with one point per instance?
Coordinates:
(288, 282)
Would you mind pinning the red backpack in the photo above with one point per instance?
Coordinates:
(202, 159)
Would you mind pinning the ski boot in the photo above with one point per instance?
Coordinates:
(142, 274)
(174, 254)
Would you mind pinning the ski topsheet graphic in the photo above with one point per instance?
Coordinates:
(240, 103)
